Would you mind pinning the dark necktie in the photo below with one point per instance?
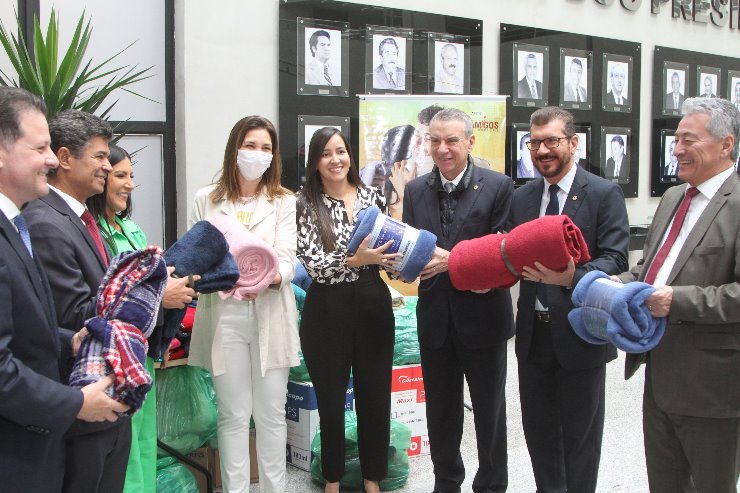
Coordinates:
(390, 78)
(449, 187)
(553, 209)
(578, 95)
(20, 223)
(326, 75)
(533, 90)
(678, 220)
(92, 228)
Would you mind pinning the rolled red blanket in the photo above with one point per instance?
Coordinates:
(496, 260)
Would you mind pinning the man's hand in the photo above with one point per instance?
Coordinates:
(437, 265)
(659, 303)
(77, 340)
(177, 293)
(97, 406)
(540, 273)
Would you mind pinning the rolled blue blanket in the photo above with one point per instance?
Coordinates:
(608, 311)
(415, 245)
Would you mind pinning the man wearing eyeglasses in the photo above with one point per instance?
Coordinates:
(561, 377)
(462, 334)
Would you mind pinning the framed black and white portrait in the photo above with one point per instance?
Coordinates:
(583, 150)
(668, 161)
(531, 69)
(616, 86)
(522, 167)
(449, 63)
(307, 126)
(615, 158)
(708, 81)
(733, 87)
(388, 60)
(575, 80)
(674, 87)
(322, 57)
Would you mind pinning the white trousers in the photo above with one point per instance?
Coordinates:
(242, 392)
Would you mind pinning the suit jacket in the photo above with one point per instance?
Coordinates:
(274, 222)
(570, 93)
(668, 101)
(524, 91)
(35, 409)
(695, 366)
(380, 80)
(610, 99)
(481, 320)
(597, 207)
(72, 261)
(624, 168)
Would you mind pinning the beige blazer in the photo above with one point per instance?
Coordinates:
(694, 369)
(277, 317)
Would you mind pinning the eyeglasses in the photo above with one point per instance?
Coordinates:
(550, 142)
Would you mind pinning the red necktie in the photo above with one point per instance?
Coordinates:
(662, 254)
(92, 228)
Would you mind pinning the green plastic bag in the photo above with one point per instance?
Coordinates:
(398, 459)
(186, 408)
(173, 477)
(406, 347)
(299, 373)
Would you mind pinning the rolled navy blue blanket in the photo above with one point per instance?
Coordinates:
(609, 311)
(416, 246)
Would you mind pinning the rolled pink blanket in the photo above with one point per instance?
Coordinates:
(496, 260)
(256, 260)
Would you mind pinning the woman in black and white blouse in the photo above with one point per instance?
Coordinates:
(347, 320)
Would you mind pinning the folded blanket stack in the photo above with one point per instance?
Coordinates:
(127, 306)
(256, 259)
(416, 246)
(202, 250)
(496, 260)
(609, 311)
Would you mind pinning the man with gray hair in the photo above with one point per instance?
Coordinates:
(691, 403)
(462, 334)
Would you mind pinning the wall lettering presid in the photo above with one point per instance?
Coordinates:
(720, 13)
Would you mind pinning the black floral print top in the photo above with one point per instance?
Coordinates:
(331, 267)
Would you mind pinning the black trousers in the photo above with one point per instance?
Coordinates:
(562, 417)
(96, 461)
(351, 326)
(445, 369)
(689, 454)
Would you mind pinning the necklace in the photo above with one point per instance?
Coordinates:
(246, 200)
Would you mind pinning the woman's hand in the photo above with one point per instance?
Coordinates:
(366, 255)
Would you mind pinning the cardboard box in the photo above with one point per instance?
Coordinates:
(254, 474)
(408, 405)
(206, 457)
(302, 416)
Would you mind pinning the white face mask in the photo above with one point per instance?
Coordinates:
(252, 164)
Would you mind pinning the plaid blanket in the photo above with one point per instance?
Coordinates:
(128, 301)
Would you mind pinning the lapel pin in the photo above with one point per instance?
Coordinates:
(475, 187)
(575, 197)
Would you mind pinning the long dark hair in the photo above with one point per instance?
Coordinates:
(309, 198)
(97, 202)
(227, 184)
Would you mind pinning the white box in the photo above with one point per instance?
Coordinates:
(302, 417)
(408, 405)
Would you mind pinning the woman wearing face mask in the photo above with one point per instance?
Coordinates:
(250, 345)
(111, 209)
(347, 320)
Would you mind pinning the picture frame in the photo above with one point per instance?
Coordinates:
(616, 84)
(675, 87)
(576, 67)
(583, 151)
(307, 126)
(322, 57)
(615, 162)
(388, 60)
(733, 87)
(449, 63)
(668, 170)
(708, 81)
(522, 168)
(532, 73)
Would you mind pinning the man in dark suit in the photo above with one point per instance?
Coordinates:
(617, 78)
(618, 165)
(462, 334)
(388, 75)
(691, 404)
(35, 408)
(670, 168)
(561, 377)
(708, 92)
(674, 99)
(573, 90)
(528, 86)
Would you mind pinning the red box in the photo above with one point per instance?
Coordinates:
(408, 405)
